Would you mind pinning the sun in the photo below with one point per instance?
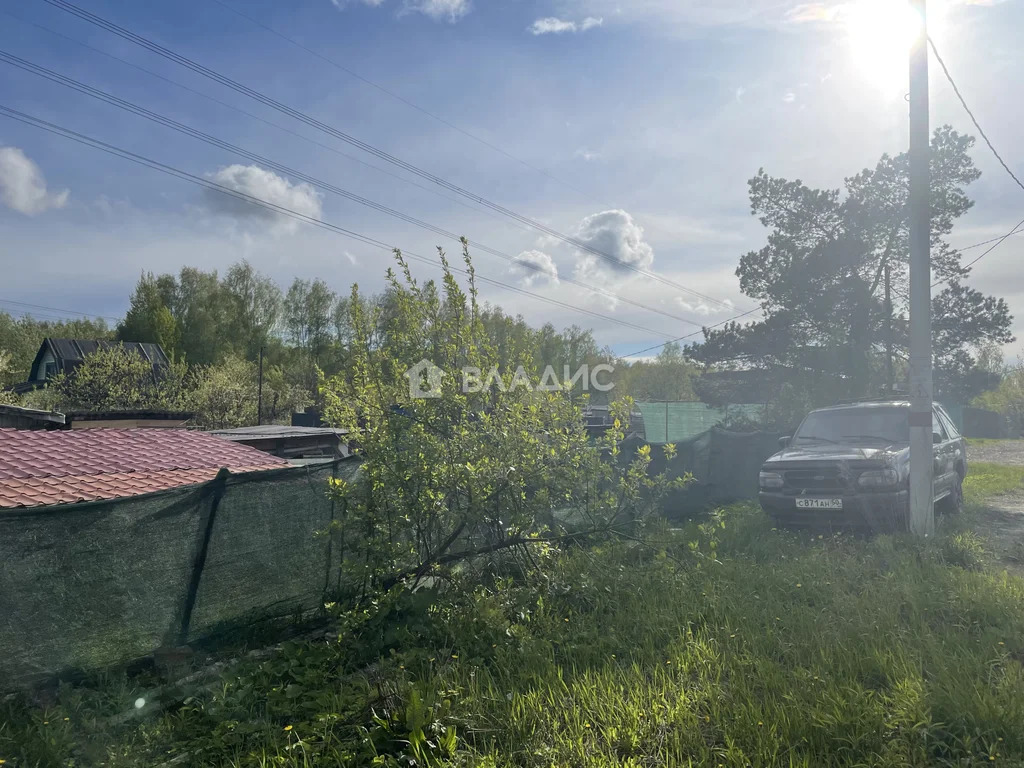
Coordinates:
(881, 34)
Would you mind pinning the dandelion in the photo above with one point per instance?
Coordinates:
(586, 725)
(732, 635)
(567, 620)
(1001, 642)
(455, 655)
(66, 719)
(759, 723)
(799, 585)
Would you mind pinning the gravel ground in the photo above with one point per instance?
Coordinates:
(1002, 522)
(996, 451)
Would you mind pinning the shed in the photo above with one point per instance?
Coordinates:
(128, 419)
(64, 355)
(291, 442)
(16, 417)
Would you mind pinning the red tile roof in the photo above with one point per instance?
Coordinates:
(40, 468)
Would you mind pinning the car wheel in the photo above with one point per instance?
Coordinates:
(954, 503)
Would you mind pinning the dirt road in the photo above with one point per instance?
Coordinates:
(1001, 521)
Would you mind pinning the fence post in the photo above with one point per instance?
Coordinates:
(330, 537)
(666, 421)
(218, 484)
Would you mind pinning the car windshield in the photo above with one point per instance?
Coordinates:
(883, 425)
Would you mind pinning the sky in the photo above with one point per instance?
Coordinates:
(630, 126)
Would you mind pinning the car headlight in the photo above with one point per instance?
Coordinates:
(769, 480)
(878, 478)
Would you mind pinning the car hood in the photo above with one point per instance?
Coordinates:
(830, 452)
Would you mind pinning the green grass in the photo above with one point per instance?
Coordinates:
(986, 480)
(729, 643)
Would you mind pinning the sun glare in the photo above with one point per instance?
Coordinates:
(881, 34)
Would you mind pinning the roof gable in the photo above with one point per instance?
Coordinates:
(69, 353)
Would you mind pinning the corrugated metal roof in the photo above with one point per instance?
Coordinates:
(41, 468)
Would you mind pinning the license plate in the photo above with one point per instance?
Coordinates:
(804, 503)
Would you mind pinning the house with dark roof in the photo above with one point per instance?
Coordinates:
(43, 468)
(64, 355)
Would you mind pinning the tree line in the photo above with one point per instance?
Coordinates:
(831, 281)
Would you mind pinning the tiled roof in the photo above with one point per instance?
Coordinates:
(41, 468)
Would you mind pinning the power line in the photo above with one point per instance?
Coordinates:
(970, 114)
(995, 244)
(256, 117)
(690, 336)
(1016, 231)
(996, 240)
(58, 309)
(400, 98)
(370, 149)
(214, 141)
(185, 176)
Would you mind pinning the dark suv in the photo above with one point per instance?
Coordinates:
(849, 465)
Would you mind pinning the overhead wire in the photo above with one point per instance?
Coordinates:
(156, 117)
(398, 97)
(209, 184)
(277, 126)
(57, 309)
(970, 114)
(365, 146)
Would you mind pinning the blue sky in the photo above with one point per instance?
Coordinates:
(651, 115)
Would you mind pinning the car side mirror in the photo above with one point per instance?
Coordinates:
(936, 438)
(784, 442)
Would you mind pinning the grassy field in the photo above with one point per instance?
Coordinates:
(727, 643)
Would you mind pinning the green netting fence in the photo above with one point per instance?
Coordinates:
(98, 584)
(90, 585)
(673, 421)
(724, 464)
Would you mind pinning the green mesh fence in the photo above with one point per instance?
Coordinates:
(724, 464)
(669, 422)
(90, 585)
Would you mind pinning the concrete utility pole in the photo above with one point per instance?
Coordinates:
(922, 517)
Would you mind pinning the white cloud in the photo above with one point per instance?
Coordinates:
(617, 236)
(586, 154)
(534, 266)
(23, 186)
(341, 4)
(449, 10)
(552, 25)
(264, 185)
(699, 308)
